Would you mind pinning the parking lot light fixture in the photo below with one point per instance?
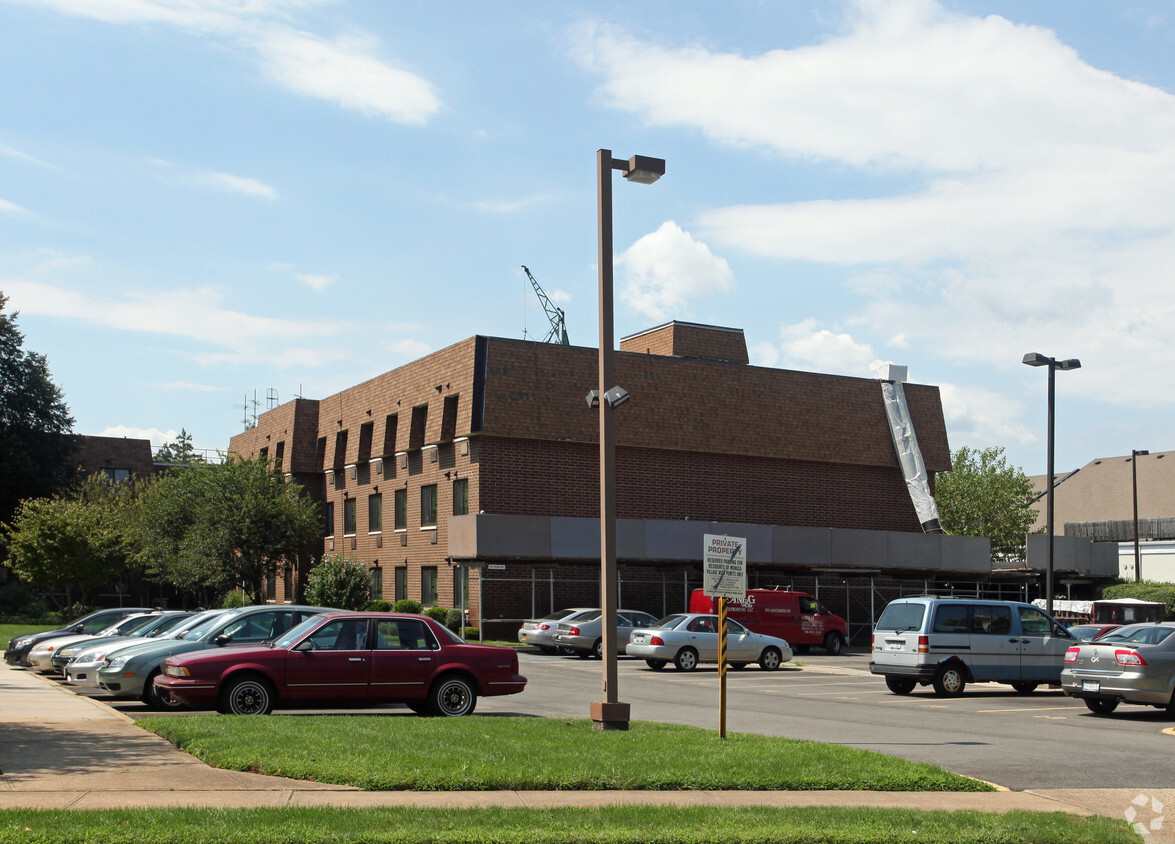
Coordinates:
(1037, 359)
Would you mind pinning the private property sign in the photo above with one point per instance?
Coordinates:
(724, 566)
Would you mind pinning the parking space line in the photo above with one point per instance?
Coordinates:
(1026, 709)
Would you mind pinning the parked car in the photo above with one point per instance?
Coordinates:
(19, 647)
(540, 632)
(39, 654)
(585, 637)
(797, 617)
(347, 659)
(1089, 632)
(686, 639)
(155, 626)
(1133, 664)
(949, 642)
(128, 673)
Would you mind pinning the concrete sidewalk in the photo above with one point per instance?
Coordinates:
(64, 750)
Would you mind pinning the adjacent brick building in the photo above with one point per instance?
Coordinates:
(470, 477)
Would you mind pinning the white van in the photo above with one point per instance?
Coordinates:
(949, 642)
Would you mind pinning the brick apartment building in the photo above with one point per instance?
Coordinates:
(470, 477)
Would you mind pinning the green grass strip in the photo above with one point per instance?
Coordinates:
(489, 753)
(612, 825)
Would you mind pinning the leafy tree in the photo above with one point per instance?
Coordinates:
(181, 452)
(338, 582)
(984, 496)
(75, 542)
(213, 527)
(37, 450)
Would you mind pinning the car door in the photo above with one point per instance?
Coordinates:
(403, 659)
(995, 647)
(703, 637)
(335, 669)
(1042, 646)
(741, 644)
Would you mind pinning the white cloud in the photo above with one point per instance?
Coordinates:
(1033, 205)
(663, 271)
(807, 345)
(240, 184)
(345, 71)
(10, 207)
(317, 282)
(158, 438)
(188, 386)
(242, 337)
(511, 206)
(978, 417)
(409, 347)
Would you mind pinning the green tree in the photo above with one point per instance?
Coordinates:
(983, 496)
(213, 527)
(74, 542)
(38, 454)
(181, 452)
(338, 582)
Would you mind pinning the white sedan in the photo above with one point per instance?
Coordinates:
(686, 639)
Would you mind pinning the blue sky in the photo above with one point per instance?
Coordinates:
(205, 200)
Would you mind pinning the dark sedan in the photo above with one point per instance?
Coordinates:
(346, 659)
(90, 624)
(1133, 664)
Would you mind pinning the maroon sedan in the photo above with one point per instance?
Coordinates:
(346, 658)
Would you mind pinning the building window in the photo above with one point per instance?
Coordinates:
(349, 517)
(279, 455)
(340, 450)
(288, 580)
(377, 584)
(401, 509)
(416, 431)
(328, 518)
(449, 418)
(271, 586)
(428, 506)
(366, 432)
(428, 586)
(401, 583)
(375, 513)
(116, 475)
(390, 422)
(461, 497)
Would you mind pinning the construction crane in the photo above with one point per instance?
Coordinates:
(558, 332)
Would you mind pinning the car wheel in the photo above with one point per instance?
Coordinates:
(900, 685)
(1024, 688)
(737, 666)
(655, 664)
(598, 649)
(584, 654)
(248, 695)
(453, 696)
(686, 660)
(156, 698)
(770, 659)
(547, 649)
(1100, 705)
(950, 681)
(834, 644)
(567, 651)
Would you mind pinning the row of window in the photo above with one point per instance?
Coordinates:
(428, 585)
(375, 517)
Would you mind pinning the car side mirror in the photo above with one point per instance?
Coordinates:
(222, 639)
(304, 646)
(78, 628)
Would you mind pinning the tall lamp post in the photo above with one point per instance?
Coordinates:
(1134, 455)
(610, 714)
(1037, 359)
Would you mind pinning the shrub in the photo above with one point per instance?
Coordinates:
(20, 606)
(437, 614)
(1147, 590)
(454, 620)
(469, 634)
(338, 582)
(377, 606)
(409, 606)
(234, 599)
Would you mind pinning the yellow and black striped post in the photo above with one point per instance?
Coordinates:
(722, 668)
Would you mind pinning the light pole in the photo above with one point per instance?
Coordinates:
(1037, 359)
(1134, 455)
(610, 714)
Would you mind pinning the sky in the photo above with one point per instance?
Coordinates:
(209, 205)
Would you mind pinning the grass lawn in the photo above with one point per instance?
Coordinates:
(390, 753)
(8, 632)
(614, 825)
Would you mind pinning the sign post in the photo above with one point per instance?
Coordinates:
(724, 575)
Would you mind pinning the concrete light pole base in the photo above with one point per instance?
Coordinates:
(609, 716)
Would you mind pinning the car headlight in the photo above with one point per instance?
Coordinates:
(117, 662)
(67, 652)
(176, 671)
(22, 643)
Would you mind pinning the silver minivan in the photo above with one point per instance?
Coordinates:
(949, 642)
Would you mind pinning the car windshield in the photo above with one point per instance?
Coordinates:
(1138, 634)
(902, 616)
(200, 631)
(297, 632)
(671, 621)
(128, 625)
(557, 615)
(587, 615)
(164, 625)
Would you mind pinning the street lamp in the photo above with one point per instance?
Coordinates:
(610, 714)
(1037, 359)
(1134, 455)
